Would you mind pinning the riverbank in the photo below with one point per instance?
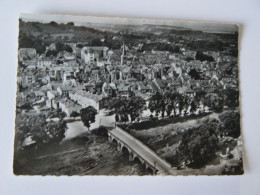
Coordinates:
(86, 154)
(165, 141)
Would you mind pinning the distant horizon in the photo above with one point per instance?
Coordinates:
(97, 21)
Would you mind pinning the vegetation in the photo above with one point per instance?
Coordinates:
(59, 48)
(161, 47)
(102, 131)
(88, 115)
(31, 42)
(214, 101)
(171, 102)
(194, 74)
(152, 123)
(230, 124)
(74, 114)
(206, 45)
(157, 104)
(231, 97)
(198, 145)
(124, 107)
(203, 57)
(39, 129)
(56, 114)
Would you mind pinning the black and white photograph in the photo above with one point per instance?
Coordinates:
(127, 96)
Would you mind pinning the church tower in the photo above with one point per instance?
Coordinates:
(123, 54)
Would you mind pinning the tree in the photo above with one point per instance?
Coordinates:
(26, 41)
(181, 103)
(194, 74)
(203, 57)
(168, 103)
(199, 145)
(123, 107)
(193, 107)
(51, 53)
(74, 114)
(70, 23)
(157, 104)
(43, 132)
(52, 23)
(96, 42)
(175, 100)
(135, 106)
(67, 48)
(88, 115)
(59, 47)
(214, 101)
(231, 98)
(187, 102)
(230, 124)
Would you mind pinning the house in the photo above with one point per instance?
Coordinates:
(187, 91)
(68, 106)
(160, 84)
(25, 78)
(53, 103)
(86, 99)
(39, 94)
(123, 90)
(52, 94)
(69, 79)
(64, 90)
(109, 88)
(90, 87)
(90, 55)
(144, 89)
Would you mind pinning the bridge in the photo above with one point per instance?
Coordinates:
(138, 150)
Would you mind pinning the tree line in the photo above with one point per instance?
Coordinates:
(170, 104)
(125, 108)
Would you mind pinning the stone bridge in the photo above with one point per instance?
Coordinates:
(138, 150)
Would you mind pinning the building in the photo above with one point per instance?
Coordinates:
(86, 99)
(68, 107)
(91, 55)
(25, 79)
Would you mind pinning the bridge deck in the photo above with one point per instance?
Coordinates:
(142, 150)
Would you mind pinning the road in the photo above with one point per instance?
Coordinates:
(75, 128)
(142, 150)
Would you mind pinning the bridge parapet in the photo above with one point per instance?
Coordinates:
(133, 145)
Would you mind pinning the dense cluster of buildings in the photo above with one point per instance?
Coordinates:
(87, 75)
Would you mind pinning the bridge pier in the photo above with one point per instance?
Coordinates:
(154, 171)
(131, 156)
(121, 146)
(109, 138)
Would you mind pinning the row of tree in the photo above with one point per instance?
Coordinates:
(125, 107)
(171, 102)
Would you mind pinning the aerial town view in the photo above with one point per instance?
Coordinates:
(147, 97)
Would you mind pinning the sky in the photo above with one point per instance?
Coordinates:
(83, 20)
